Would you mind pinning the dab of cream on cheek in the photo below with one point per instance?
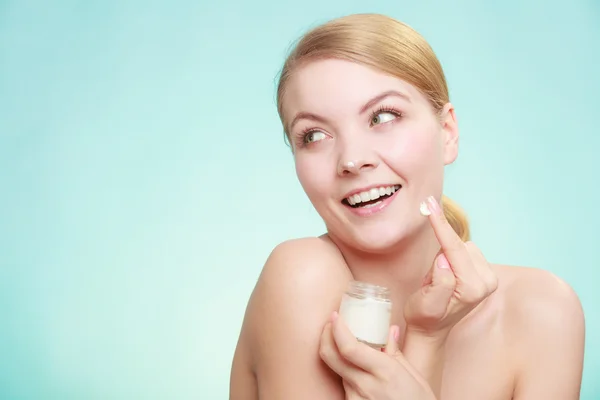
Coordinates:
(424, 209)
(367, 310)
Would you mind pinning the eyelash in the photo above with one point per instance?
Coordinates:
(386, 109)
(301, 142)
(381, 109)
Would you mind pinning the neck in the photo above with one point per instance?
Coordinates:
(401, 268)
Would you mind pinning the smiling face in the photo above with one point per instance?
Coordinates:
(368, 149)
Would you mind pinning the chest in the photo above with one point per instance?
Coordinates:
(479, 364)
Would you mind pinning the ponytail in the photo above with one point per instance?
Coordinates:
(457, 218)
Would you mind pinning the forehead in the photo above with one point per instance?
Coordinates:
(330, 85)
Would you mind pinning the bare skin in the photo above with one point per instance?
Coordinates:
(524, 341)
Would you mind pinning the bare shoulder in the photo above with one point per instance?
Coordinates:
(544, 324)
(303, 264)
(537, 295)
(299, 287)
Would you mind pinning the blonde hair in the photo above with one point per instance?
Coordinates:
(387, 45)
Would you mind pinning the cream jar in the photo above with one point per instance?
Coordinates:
(367, 311)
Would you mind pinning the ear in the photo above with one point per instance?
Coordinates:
(449, 133)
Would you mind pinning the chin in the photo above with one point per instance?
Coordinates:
(377, 239)
(383, 231)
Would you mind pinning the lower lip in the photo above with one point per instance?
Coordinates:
(374, 209)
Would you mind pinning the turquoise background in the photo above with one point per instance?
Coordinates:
(145, 179)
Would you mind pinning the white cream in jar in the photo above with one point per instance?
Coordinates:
(367, 310)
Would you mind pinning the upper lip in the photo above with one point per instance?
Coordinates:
(367, 188)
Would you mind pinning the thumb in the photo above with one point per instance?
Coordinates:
(392, 348)
(433, 298)
(443, 281)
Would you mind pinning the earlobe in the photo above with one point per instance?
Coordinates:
(450, 132)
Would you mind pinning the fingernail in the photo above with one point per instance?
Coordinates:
(396, 334)
(334, 316)
(434, 206)
(442, 262)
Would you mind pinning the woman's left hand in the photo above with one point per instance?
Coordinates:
(368, 373)
(460, 280)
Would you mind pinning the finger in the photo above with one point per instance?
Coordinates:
(434, 297)
(452, 245)
(443, 281)
(355, 352)
(330, 355)
(430, 304)
(428, 279)
(487, 275)
(479, 262)
(392, 346)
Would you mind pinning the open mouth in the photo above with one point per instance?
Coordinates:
(371, 197)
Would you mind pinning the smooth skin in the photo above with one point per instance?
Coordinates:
(458, 281)
(521, 338)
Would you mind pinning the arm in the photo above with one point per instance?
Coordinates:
(550, 338)
(301, 283)
(242, 382)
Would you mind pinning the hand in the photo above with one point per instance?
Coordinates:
(368, 373)
(459, 280)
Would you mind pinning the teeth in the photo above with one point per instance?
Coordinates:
(372, 194)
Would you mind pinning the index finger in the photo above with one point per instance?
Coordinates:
(359, 354)
(452, 245)
(331, 356)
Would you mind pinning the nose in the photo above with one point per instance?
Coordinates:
(355, 166)
(355, 153)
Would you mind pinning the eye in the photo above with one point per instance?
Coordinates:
(383, 117)
(313, 136)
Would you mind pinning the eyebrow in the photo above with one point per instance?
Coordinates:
(378, 98)
(314, 117)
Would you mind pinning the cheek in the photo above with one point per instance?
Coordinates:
(413, 147)
(314, 178)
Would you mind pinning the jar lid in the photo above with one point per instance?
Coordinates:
(368, 289)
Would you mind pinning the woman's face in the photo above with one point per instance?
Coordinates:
(368, 150)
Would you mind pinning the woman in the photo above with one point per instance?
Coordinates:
(365, 106)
